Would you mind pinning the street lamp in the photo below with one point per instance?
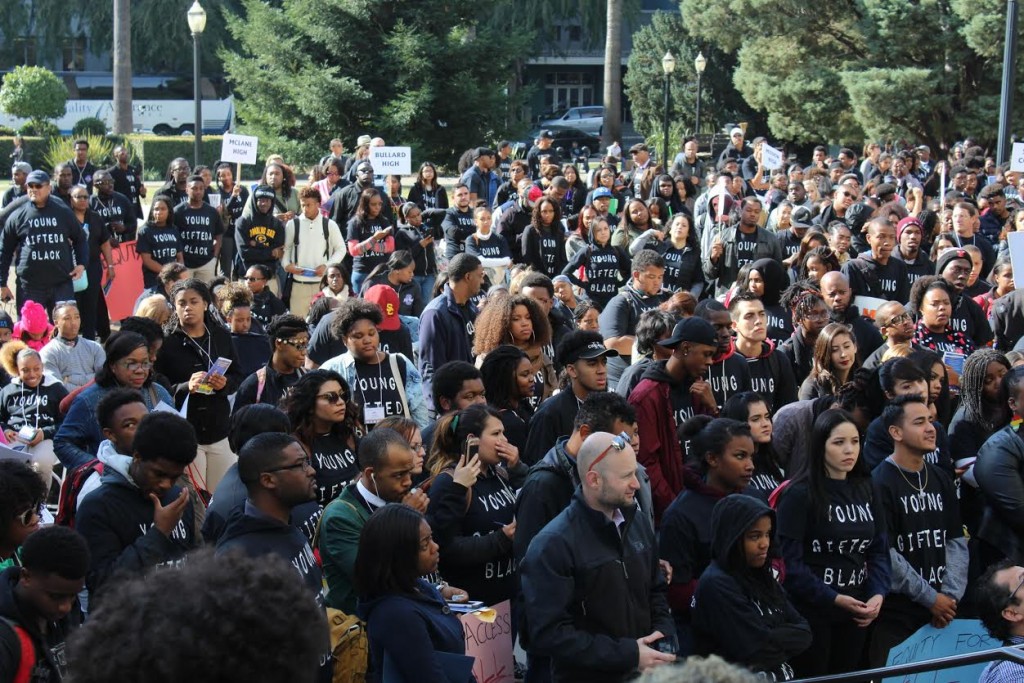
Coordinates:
(197, 24)
(699, 64)
(668, 65)
(1004, 148)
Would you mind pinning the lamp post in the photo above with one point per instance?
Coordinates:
(699, 64)
(197, 24)
(668, 65)
(1004, 148)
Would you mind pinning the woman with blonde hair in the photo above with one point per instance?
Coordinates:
(156, 308)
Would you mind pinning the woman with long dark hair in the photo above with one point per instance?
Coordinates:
(325, 420)
(544, 239)
(398, 273)
(427, 192)
(281, 180)
(680, 248)
(636, 220)
(190, 359)
(407, 620)
(476, 535)
(509, 379)
(127, 366)
(931, 299)
(833, 539)
(834, 362)
(418, 238)
(750, 407)
(576, 196)
(599, 268)
(369, 235)
(158, 242)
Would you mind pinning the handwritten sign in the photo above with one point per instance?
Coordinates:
(960, 637)
(127, 283)
(239, 149)
(1015, 241)
(770, 157)
(1017, 157)
(490, 643)
(391, 160)
(868, 305)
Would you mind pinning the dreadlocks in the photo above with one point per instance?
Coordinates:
(972, 390)
(801, 298)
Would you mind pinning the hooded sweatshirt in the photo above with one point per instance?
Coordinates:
(780, 321)
(771, 376)
(48, 242)
(38, 408)
(743, 617)
(49, 645)
(728, 375)
(256, 237)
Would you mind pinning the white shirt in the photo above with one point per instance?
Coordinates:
(313, 251)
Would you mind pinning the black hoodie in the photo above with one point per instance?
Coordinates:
(780, 321)
(771, 376)
(257, 236)
(605, 268)
(740, 613)
(51, 662)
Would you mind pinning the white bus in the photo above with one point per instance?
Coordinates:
(162, 105)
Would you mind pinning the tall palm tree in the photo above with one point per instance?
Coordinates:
(122, 66)
(612, 127)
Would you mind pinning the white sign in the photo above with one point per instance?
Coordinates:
(1015, 240)
(770, 157)
(239, 149)
(1017, 157)
(869, 305)
(391, 160)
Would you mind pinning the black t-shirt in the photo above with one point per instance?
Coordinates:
(336, 466)
(835, 544)
(198, 228)
(376, 390)
(789, 242)
(746, 248)
(682, 267)
(116, 209)
(919, 522)
(162, 244)
(618, 319)
(362, 230)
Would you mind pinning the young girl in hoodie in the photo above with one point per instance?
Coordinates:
(739, 610)
(599, 268)
(721, 463)
(34, 326)
(30, 405)
(750, 407)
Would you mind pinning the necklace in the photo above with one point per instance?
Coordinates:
(920, 489)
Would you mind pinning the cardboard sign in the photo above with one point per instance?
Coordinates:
(239, 149)
(960, 637)
(771, 158)
(490, 643)
(1017, 157)
(391, 160)
(127, 285)
(868, 305)
(1015, 241)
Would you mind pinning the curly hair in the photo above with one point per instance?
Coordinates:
(12, 352)
(352, 311)
(823, 254)
(498, 371)
(233, 295)
(259, 624)
(535, 217)
(56, 550)
(922, 286)
(801, 298)
(299, 405)
(492, 325)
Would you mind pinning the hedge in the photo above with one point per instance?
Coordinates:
(154, 152)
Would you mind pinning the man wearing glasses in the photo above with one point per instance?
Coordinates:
(1001, 610)
(896, 326)
(51, 246)
(115, 208)
(593, 590)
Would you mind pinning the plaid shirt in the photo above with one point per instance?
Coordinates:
(1004, 671)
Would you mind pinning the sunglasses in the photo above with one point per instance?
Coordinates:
(79, 196)
(898, 320)
(301, 346)
(26, 517)
(254, 279)
(618, 443)
(333, 397)
(35, 186)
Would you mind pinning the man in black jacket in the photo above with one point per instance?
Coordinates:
(835, 290)
(593, 590)
(140, 518)
(585, 358)
(875, 272)
(954, 266)
(39, 601)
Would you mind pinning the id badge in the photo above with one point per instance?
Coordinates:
(373, 413)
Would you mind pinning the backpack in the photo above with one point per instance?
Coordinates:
(286, 290)
(67, 504)
(27, 658)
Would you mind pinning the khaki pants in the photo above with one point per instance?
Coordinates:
(302, 297)
(206, 272)
(212, 461)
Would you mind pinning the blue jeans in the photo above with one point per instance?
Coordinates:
(426, 284)
(413, 323)
(357, 282)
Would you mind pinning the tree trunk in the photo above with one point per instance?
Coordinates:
(122, 66)
(612, 129)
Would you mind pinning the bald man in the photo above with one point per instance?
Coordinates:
(596, 563)
(838, 296)
(896, 326)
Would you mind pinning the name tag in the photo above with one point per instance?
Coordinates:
(373, 413)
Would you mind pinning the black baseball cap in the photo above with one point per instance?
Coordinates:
(696, 330)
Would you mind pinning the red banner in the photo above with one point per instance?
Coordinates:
(127, 285)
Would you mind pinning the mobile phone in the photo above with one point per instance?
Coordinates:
(472, 447)
(668, 645)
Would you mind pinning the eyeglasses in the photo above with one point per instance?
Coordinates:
(333, 397)
(417, 447)
(897, 320)
(619, 443)
(1009, 599)
(132, 366)
(254, 279)
(297, 466)
(301, 346)
(35, 186)
(69, 302)
(26, 517)
(817, 317)
(79, 196)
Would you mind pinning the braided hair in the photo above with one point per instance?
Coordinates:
(801, 298)
(972, 391)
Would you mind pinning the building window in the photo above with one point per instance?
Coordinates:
(564, 89)
(25, 50)
(74, 54)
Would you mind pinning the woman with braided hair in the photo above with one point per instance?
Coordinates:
(810, 315)
(983, 411)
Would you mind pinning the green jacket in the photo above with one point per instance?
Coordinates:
(338, 542)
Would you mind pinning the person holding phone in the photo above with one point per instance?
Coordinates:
(194, 345)
(369, 236)
(475, 524)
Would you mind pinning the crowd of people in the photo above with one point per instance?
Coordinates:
(662, 411)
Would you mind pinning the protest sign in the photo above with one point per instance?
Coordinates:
(868, 305)
(391, 160)
(239, 149)
(489, 641)
(960, 637)
(771, 158)
(127, 284)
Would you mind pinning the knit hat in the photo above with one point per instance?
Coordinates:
(33, 317)
(263, 192)
(948, 256)
(5, 321)
(902, 225)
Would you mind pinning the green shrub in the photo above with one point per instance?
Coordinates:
(90, 125)
(63, 148)
(40, 129)
(33, 92)
(7, 132)
(34, 149)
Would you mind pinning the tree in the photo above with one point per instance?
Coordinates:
(426, 75)
(926, 70)
(34, 93)
(612, 127)
(645, 78)
(122, 66)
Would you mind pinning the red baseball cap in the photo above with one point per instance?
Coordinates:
(386, 299)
